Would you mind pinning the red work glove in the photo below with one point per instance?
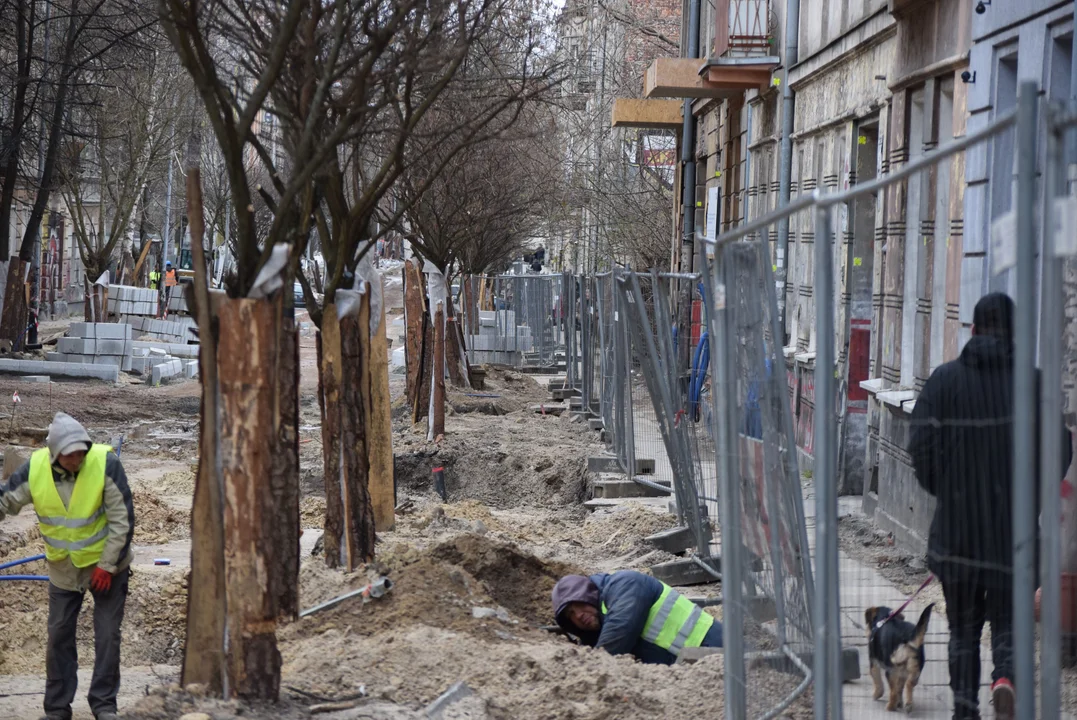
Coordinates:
(100, 580)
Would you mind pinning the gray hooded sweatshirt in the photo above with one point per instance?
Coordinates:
(65, 436)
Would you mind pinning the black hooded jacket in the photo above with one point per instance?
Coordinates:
(961, 445)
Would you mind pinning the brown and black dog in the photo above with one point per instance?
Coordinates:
(896, 647)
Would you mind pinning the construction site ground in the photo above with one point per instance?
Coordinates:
(472, 574)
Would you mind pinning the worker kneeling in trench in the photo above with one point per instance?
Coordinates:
(629, 612)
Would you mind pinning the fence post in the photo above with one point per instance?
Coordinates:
(827, 659)
(629, 426)
(723, 394)
(1051, 332)
(1024, 405)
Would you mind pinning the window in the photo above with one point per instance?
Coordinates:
(914, 142)
(941, 240)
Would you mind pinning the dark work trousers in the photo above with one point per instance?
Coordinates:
(968, 605)
(61, 657)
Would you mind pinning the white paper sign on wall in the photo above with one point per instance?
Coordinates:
(1003, 243)
(711, 231)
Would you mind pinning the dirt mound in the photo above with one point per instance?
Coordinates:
(153, 628)
(532, 676)
(498, 474)
(156, 521)
(440, 586)
(312, 512)
(518, 581)
(620, 530)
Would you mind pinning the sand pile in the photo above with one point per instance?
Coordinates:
(157, 521)
(154, 623)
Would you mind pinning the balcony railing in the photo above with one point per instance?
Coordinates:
(743, 29)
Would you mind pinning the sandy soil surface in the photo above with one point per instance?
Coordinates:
(472, 572)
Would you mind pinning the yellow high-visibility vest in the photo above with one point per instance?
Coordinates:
(674, 622)
(80, 530)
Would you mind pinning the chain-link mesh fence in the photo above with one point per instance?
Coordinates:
(943, 420)
(515, 320)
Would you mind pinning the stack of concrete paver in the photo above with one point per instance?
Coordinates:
(499, 338)
(158, 361)
(96, 344)
(172, 330)
(129, 300)
(138, 308)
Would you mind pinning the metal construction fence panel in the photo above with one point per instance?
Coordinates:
(664, 426)
(951, 430)
(766, 567)
(514, 320)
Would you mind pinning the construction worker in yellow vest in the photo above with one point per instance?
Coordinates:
(155, 280)
(629, 612)
(86, 516)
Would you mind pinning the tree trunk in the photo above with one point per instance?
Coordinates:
(13, 321)
(345, 392)
(437, 421)
(284, 478)
(244, 565)
(422, 397)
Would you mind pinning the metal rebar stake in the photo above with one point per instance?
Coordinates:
(725, 408)
(827, 659)
(1051, 331)
(1024, 405)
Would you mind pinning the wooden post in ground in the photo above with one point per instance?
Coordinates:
(380, 429)
(203, 656)
(437, 422)
(249, 335)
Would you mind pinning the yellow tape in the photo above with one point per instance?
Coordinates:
(857, 262)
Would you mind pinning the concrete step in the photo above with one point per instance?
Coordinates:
(542, 369)
(596, 424)
(550, 409)
(601, 503)
(599, 464)
(626, 489)
(686, 572)
(675, 540)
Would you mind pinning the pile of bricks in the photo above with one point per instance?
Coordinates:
(96, 344)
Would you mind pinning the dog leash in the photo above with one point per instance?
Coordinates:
(906, 603)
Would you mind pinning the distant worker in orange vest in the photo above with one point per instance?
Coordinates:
(170, 282)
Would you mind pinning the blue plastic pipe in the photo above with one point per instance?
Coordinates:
(13, 563)
(24, 577)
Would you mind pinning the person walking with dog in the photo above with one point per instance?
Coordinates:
(961, 444)
(86, 516)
